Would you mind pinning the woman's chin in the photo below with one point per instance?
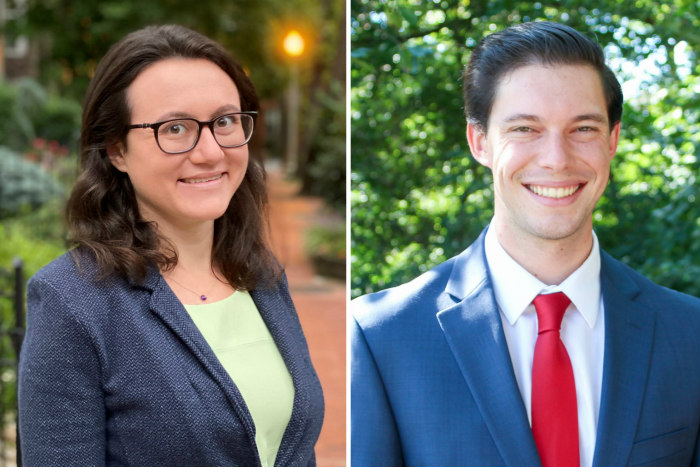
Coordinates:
(204, 213)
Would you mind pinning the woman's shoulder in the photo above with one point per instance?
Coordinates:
(70, 267)
(75, 285)
(76, 274)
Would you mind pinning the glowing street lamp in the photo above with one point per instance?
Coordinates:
(293, 45)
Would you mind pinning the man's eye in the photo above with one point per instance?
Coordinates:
(523, 129)
(586, 129)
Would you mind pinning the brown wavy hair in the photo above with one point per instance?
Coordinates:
(102, 212)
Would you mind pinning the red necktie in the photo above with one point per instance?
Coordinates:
(554, 413)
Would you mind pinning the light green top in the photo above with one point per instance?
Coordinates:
(237, 334)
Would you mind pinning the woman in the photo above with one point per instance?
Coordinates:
(167, 336)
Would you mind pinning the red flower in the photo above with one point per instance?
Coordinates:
(39, 143)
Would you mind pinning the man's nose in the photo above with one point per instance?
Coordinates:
(556, 155)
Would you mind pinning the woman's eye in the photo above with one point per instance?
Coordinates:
(175, 128)
(226, 121)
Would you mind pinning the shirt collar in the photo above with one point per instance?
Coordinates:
(582, 286)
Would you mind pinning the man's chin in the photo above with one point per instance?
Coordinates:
(558, 231)
(555, 227)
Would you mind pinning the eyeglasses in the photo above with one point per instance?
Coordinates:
(182, 134)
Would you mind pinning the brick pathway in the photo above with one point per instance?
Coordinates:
(320, 303)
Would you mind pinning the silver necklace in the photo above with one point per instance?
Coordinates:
(202, 296)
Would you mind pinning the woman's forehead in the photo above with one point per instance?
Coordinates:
(190, 86)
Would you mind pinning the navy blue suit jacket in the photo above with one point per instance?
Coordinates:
(116, 373)
(432, 382)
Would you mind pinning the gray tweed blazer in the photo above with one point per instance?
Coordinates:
(116, 373)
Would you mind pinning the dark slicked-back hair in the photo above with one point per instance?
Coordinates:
(543, 43)
(102, 212)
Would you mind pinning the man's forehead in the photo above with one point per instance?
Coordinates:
(536, 91)
(540, 72)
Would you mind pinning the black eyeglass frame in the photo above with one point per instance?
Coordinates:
(210, 124)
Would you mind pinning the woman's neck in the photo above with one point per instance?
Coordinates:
(193, 243)
(195, 276)
(194, 250)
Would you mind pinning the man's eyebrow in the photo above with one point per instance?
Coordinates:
(518, 117)
(596, 117)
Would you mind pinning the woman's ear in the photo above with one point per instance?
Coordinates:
(476, 137)
(115, 152)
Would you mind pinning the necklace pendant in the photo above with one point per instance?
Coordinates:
(203, 297)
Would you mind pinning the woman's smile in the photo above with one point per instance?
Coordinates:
(202, 179)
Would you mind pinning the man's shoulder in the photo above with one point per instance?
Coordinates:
(412, 301)
(656, 295)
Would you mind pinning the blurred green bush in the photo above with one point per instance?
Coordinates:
(325, 176)
(37, 132)
(28, 112)
(36, 238)
(24, 185)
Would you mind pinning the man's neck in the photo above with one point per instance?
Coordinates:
(550, 261)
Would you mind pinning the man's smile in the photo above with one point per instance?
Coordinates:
(554, 192)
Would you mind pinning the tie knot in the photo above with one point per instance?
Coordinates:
(550, 311)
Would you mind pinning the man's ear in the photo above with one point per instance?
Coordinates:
(115, 152)
(476, 137)
(614, 138)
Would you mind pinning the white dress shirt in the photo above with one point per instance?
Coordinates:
(582, 330)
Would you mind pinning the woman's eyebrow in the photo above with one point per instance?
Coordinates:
(180, 114)
(225, 109)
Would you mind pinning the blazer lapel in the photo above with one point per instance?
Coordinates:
(474, 332)
(168, 308)
(629, 332)
(282, 321)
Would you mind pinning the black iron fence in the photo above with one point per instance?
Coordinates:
(12, 314)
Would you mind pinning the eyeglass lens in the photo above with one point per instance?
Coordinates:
(182, 135)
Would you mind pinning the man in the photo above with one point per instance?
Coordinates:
(449, 370)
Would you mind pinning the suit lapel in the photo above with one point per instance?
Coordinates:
(474, 333)
(629, 333)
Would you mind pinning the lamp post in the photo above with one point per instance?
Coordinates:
(293, 45)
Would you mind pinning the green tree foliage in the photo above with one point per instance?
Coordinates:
(417, 195)
(74, 35)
